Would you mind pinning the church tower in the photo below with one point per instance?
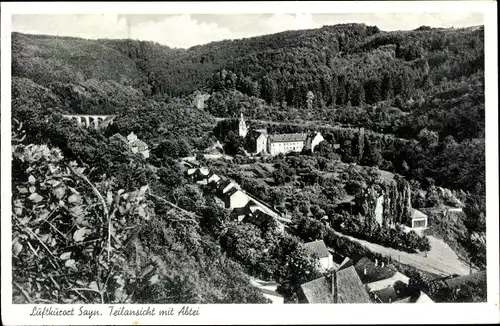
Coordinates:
(243, 130)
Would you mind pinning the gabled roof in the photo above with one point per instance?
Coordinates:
(137, 143)
(318, 291)
(347, 262)
(381, 284)
(466, 279)
(373, 273)
(231, 192)
(317, 247)
(416, 214)
(350, 289)
(288, 137)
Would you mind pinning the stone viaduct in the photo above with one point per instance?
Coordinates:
(92, 121)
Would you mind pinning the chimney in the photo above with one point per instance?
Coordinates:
(376, 262)
(383, 264)
(364, 271)
(334, 286)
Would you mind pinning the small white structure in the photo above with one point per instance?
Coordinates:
(137, 146)
(243, 129)
(261, 143)
(379, 210)
(235, 198)
(318, 248)
(382, 284)
(318, 138)
(418, 219)
(213, 178)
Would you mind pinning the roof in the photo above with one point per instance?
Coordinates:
(318, 291)
(317, 247)
(347, 262)
(381, 284)
(204, 170)
(424, 298)
(386, 295)
(455, 213)
(287, 137)
(350, 289)
(232, 191)
(471, 278)
(373, 273)
(415, 214)
(137, 143)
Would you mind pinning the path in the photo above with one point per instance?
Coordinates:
(441, 259)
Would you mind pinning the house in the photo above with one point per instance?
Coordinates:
(422, 298)
(343, 286)
(261, 143)
(474, 278)
(235, 198)
(317, 291)
(137, 146)
(454, 214)
(387, 282)
(228, 185)
(314, 141)
(418, 219)
(386, 295)
(370, 271)
(349, 288)
(214, 178)
(319, 249)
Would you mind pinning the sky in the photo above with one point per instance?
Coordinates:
(186, 30)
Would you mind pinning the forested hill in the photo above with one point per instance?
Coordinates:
(349, 63)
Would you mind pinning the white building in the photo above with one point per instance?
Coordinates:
(286, 143)
(137, 146)
(418, 219)
(279, 143)
(243, 129)
(319, 249)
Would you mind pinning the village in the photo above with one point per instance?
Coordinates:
(322, 160)
(343, 280)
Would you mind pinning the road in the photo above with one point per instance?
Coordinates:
(441, 259)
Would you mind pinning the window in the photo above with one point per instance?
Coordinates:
(419, 224)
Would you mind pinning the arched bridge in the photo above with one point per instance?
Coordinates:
(91, 121)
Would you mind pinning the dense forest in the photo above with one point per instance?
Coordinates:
(407, 102)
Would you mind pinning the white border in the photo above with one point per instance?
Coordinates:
(272, 314)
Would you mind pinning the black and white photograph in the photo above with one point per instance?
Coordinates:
(247, 158)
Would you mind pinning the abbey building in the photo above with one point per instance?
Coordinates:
(275, 144)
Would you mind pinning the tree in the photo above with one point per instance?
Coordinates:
(309, 100)
(299, 267)
(428, 138)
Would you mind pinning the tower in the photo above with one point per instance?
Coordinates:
(243, 130)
